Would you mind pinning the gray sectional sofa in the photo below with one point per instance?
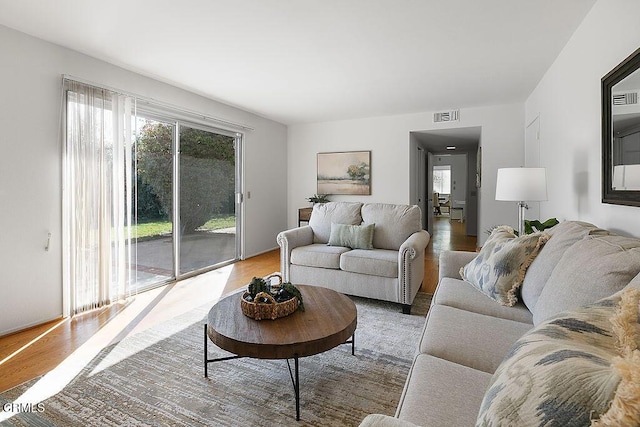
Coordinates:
(386, 261)
(476, 356)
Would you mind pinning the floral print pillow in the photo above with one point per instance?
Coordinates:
(499, 268)
(579, 368)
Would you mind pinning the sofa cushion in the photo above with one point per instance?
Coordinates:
(579, 367)
(394, 223)
(593, 268)
(470, 339)
(563, 236)
(324, 214)
(499, 268)
(460, 294)
(442, 393)
(377, 262)
(318, 255)
(352, 236)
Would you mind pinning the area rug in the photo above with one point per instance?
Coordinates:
(156, 378)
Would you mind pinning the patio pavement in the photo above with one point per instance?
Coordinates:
(199, 250)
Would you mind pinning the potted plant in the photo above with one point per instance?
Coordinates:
(265, 301)
(531, 226)
(318, 198)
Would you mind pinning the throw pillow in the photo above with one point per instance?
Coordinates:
(352, 236)
(499, 268)
(580, 368)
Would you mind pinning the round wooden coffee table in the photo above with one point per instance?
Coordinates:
(329, 320)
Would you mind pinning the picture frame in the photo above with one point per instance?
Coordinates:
(345, 172)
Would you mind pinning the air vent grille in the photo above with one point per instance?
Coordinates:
(625, 98)
(446, 116)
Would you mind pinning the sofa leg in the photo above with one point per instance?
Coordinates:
(406, 308)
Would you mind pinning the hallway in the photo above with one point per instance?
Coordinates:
(447, 236)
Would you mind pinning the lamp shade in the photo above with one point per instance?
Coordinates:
(521, 184)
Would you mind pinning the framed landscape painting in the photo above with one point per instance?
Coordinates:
(344, 173)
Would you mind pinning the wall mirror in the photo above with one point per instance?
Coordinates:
(621, 133)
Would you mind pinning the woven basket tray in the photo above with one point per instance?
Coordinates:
(272, 310)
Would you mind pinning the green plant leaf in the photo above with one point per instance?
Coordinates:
(291, 289)
(549, 223)
(528, 229)
(258, 285)
(531, 226)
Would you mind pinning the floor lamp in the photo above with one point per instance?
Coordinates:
(521, 185)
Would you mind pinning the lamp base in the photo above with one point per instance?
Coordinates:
(522, 206)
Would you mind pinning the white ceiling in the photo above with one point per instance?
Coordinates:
(298, 61)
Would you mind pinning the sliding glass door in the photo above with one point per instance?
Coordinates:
(206, 196)
(153, 202)
(185, 206)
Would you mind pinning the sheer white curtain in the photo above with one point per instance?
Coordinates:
(97, 195)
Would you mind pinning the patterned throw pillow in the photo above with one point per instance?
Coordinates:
(579, 368)
(499, 268)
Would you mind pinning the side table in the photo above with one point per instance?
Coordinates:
(304, 214)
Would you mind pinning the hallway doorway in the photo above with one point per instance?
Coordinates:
(457, 151)
(452, 158)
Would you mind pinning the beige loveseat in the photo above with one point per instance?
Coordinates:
(391, 270)
(534, 363)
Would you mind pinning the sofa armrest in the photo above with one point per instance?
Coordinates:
(411, 266)
(452, 261)
(378, 420)
(288, 240)
(415, 243)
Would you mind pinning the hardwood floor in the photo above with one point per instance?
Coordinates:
(33, 352)
(447, 236)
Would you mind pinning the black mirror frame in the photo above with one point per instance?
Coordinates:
(609, 195)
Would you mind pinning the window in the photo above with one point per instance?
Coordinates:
(442, 179)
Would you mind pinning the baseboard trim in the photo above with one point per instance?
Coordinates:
(260, 253)
(33, 325)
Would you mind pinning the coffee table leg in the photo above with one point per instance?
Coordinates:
(206, 345)
(353, 344)
(296, 384)
(206, 354)
(297, 390)
(352, 341)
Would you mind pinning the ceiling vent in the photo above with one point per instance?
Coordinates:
(625, 98)
(446, 116)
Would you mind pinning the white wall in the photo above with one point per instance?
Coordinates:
(30, 168)
(392, 165)
(568, 101)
